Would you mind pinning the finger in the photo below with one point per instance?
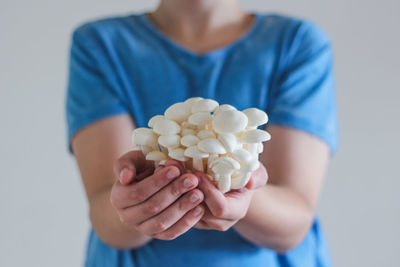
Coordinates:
(162, 200)
(172, 162)
(258, 178)
(125, 196)
(214, 198)
(172, 214)
(125, 168)
(183, 225)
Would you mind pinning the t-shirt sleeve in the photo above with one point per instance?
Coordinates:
(304, 96)
(91, 95)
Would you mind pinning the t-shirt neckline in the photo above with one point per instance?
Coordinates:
(213, 53)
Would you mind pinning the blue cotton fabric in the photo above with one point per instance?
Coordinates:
(282, 65)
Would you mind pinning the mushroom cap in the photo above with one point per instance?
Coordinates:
(144, 137)
(226, 159)
(169, 141)
(178, 112)
(156, 156)
(154, 119)
(203, 134)
(252, 148)
(240, 179)
(188, 125)
(194, 152)
(200, 118)
(178, 154)
(193, 100)
(224, 107)
(229, 121)
(166, 127)
(250, 166)
(146, 149)
(212, 146)
(204, 105)
(229, 141)
(256, 117)
(260, 148)
(255, 136)
(187, 131)
(189, 140)
(242, 155)
(222, 168)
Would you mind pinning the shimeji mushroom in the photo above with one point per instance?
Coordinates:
(178, 112)
(229, 121)
(197, 156)
(166, 127)
(256, 117)
(220, 140)
(169, 141)
(145, 138)
(203, 134)
(189, 140)
(213, 147)
(156, 156)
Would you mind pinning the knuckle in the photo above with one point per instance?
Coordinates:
(153, 209)
(138, 195)
(160, 226)
(220, 211)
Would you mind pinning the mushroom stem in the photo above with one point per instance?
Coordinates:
(198, 164)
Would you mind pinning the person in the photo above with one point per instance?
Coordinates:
(124, 70)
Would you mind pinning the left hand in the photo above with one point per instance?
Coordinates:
(224, 210)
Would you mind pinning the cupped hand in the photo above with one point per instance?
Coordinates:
(161, 203)
(225, 210)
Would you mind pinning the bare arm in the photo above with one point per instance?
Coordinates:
(281, 213)
(96, 148)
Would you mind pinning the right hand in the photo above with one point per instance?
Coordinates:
(162, 204)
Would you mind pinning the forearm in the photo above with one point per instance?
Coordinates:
(278, 218)
(109, 228)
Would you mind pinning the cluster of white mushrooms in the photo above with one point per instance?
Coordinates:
(216, 139)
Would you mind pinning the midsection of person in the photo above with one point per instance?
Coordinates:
(139, 65)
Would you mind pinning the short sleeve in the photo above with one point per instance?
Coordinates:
(90, 94)
(304, 96)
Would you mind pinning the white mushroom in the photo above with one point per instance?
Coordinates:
(156, 156)
(154, 119)
(178, 112)
(197, 156)
(252, 148)
(228, 160)
(242, 155)
(178, 154)
(189, 140)
(193, 100)
(229, 141)
(239, 179)
(169, 141)
(146, 149)
(250, 166)
(166, 127)
(255, 136)
(229, 121)
(224, 107)
(256, 117)
(223, 170)
(260, 148)
(187, 131)
(200, 118)
(203, 134)
(144, 137)
(188, 125)
(212, 146)
(204, 105)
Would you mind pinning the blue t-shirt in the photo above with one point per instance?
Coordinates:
(282, 65)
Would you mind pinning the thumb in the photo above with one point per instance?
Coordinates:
(124, 169)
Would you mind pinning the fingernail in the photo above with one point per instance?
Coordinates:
(193, 198)
(197, 211)
(187, 183)
(171, 174)
(121, 173)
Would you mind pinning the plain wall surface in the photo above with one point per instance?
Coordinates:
(43, 210)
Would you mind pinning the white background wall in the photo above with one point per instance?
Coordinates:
(43, 212)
